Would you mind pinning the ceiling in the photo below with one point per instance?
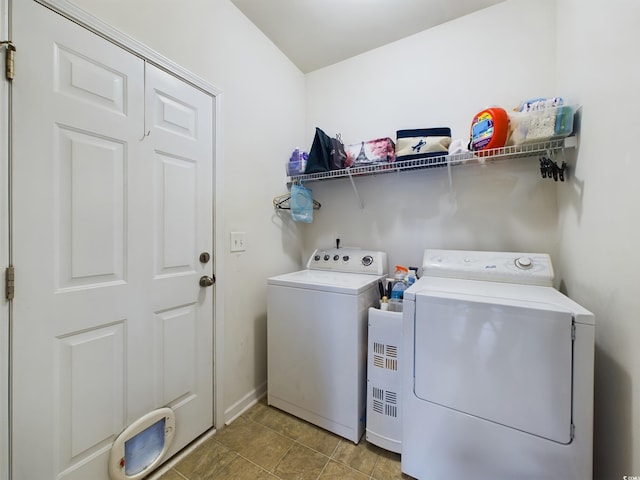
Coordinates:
(317, 33)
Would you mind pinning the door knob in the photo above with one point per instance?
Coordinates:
(206, 281)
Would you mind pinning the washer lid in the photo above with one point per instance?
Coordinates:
(326, 281)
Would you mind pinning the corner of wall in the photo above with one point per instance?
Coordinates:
(245, 403)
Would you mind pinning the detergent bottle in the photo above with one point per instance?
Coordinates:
(489, 129)
(399, 286)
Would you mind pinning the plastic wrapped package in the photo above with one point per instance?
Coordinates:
(540, 125)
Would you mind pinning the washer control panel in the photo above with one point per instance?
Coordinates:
(507, 267)
(349, 260)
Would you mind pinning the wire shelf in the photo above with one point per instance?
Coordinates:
(548, 147)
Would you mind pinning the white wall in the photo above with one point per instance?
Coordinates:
(440, 77)
(262, 119)
(600, 233)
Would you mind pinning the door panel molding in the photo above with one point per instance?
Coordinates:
(81, 17)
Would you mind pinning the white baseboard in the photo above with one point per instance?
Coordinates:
(246, 402)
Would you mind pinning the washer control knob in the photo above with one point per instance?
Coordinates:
(345, 258)
(367, 260)
(524, 263)
(316, 258)
(336, 258)
(326, 257)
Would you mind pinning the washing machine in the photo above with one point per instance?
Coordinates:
(499, 383)
(317, 338)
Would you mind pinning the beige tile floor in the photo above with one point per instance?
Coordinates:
(267, 443)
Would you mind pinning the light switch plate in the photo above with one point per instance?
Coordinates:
(238, 242)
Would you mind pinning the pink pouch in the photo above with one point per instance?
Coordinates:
(380, 150)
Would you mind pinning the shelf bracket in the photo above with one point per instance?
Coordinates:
(355, 190)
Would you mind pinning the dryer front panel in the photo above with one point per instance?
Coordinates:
(506, 362)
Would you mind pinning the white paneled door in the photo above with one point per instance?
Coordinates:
(112, 209)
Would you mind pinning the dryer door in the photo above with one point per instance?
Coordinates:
(503, 361)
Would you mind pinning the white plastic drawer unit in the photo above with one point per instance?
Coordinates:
(510, 364)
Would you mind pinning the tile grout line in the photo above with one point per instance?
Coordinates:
(222, 466)
(375, 464)
(177, 473)
(329, 460)
(270, 472)
(330, 456)
(295, 441)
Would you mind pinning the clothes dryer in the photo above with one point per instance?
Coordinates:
(500, 378)
(317, 338)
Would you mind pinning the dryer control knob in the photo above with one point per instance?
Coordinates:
(367, 260)
(524, 263)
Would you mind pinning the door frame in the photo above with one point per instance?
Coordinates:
(5, 248)
(97, 26)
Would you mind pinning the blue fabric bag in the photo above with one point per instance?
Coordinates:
(301, 204)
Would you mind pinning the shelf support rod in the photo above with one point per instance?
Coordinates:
(355, 190)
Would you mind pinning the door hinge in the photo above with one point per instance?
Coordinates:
(572, 432)
(10, 51)
(573, 331)
(10, 282)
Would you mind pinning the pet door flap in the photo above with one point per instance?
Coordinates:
(142, 445)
